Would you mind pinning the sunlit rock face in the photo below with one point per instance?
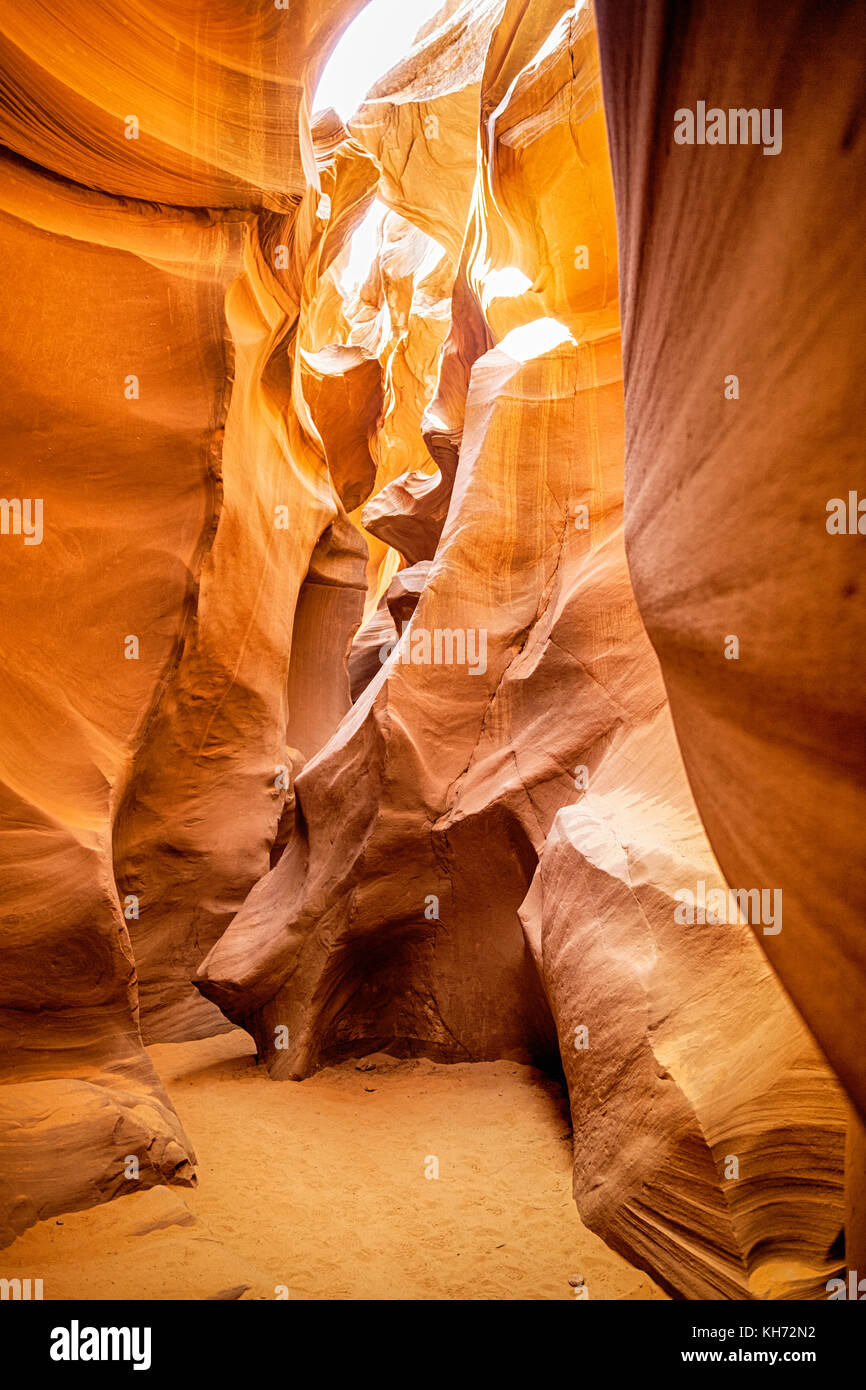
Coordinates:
(393, 765)
(126, 493)
(146, 630)
(476, 828)
(194, 105)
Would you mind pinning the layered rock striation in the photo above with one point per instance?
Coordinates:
(147, 619)
(430, 738)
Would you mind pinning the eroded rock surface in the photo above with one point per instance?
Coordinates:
(395, 767)
(146, 629)
(727, 497)
(554, 794)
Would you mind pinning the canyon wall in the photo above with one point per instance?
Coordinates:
(146, 631)
(476, 827)
(398, 763)
(727, 496)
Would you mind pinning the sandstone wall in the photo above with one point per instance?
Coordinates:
(432, 573)
(445, 812)
(146, 637)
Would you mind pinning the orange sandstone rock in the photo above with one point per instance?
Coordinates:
(390, 763)
(515, 763)
(139, 644)
(743, 362)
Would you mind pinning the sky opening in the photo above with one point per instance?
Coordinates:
(374, 42)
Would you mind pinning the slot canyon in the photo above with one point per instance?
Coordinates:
(432, 790)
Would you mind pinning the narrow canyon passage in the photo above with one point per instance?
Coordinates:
(325, 1190)
(432, 793)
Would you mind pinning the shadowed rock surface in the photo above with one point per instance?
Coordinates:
(431, 727)
(136, 653)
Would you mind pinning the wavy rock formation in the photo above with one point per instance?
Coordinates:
(382, 909)
(82, 672)
(199, 105)
(693, 1123)
(143, 651)
(393, 766)
(727, 496)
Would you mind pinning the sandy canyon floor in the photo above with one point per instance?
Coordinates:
(317, 1190)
